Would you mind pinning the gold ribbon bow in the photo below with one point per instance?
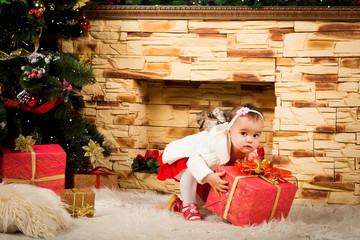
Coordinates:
(85, 208)
(24, 144)
(94, 151)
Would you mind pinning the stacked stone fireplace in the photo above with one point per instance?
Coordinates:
(154, 75)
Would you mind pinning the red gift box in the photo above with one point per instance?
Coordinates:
(44, 167)
(251, 200)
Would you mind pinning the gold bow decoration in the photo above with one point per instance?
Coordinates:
(86, 59)
(24, 144)
(79, 4)
(84, 210)
(94, 151)
(260, 165)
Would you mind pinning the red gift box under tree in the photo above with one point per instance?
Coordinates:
(43, 167)
(251, 200)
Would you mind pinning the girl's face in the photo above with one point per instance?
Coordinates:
(245, 135)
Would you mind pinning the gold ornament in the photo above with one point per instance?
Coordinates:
(24, 144)
(87, 59)
(94, 151)
(79, 4)
(39, 5)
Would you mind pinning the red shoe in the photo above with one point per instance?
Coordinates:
(191, 212)
(175, 204)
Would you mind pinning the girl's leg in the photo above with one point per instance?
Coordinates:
(188, 185)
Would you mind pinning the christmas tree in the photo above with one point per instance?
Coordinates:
(39, 87)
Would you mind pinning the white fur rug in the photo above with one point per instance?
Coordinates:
(131, 215)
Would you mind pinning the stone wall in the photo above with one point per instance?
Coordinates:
(153, 76)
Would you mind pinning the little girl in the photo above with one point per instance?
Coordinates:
(193, 159)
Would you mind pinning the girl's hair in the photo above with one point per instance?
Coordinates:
(251, 115)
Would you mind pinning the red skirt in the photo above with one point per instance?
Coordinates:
(171, 170)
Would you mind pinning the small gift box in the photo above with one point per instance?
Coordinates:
(251, 199)
(81, 201)
(99, 177)
(43, 166)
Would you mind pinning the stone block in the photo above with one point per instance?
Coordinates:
(180, 132)
(162, 115)
(213, 26)
(302, 118)
(295, 41)
(130, 26)
(125, 142)
(179, 71)
(86, 46)
(306, 165)
(357, 189)
(348, 48)
(133, 62)
(343, 198)
(163, 25)
(251, 53)
(203, 42)
(345, 137)
(314, 194)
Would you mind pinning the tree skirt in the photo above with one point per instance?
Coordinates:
(133, 215)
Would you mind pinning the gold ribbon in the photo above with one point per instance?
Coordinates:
(22, 52)
(33, 171)
(233, 188)
(85, 208)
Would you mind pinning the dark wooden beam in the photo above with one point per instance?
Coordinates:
(224, 12)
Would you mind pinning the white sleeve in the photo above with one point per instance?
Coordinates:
(198, 167)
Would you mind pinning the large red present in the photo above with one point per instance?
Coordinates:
(43, 167)
(251, 200)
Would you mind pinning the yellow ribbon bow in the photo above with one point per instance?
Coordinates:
(24, 144)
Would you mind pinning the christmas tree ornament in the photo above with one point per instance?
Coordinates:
(94, 151)
(87, 59)
(1, 89)
(31, 73)
(32, 101)
(40, 6)
(38, 10)
(84, 24)
(24, 144)
(23, 96)
(79, 4)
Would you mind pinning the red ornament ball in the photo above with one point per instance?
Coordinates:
(32, 101)
(84, 24)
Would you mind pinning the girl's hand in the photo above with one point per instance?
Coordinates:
(215, 181)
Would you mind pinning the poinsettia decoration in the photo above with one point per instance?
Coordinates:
(147, 163)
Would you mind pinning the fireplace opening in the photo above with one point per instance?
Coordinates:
(167, 110)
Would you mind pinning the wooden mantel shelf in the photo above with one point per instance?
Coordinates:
(224, 12)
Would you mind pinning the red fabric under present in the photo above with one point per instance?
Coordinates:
(171, 170)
